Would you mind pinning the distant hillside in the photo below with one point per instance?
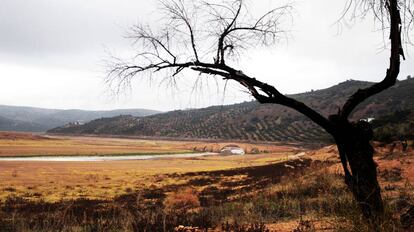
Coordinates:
(396, 126)
(251, 120)
(15, 118)
(10, 125)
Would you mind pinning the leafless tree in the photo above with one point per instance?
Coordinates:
(226, 30)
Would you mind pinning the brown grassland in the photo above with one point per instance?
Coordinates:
(53, 181)
(24, 144)
(275, 190)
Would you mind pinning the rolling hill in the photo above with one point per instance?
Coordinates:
(15, 118)
(251, 120)
(11, 125)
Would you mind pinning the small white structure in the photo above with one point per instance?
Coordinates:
(368, 119)
(232, 150)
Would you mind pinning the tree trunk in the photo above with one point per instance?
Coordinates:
(354, 146)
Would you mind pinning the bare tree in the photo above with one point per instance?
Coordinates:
(226, 29)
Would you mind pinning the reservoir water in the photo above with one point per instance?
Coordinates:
(103, 158)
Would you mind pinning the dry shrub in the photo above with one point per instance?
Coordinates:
(391, 175)
(407, 218)
(184, 199)
(14, 173)
(304, 226)
(235, 227)
(255, 150)
(187, 229)
(9, 189)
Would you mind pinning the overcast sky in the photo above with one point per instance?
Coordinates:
(52, 52)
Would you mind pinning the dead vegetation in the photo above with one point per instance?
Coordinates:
(302, 195)
(312, 203)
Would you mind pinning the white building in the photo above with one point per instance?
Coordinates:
(232, 150)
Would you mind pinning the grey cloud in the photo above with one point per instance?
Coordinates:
(73, 34)
(42, 28)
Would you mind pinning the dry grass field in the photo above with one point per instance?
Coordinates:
(54, 181)
(24, 144)
(275, 190)
(21, 144)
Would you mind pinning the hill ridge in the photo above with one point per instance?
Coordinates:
(253, 121)
(34, 119)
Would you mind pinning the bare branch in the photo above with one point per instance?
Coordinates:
(179, 13)
(356, 9)
(394, 66)
(175, 44)
(236, 33)
(265, 30)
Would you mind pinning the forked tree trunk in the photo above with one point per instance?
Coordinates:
(357, 153)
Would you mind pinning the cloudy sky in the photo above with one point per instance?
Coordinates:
(52, 55)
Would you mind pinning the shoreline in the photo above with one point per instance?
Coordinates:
(97, 158)
(99, 155)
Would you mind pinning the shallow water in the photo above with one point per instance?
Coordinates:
(102, 158)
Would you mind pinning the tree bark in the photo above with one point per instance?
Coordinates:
(353, 140)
